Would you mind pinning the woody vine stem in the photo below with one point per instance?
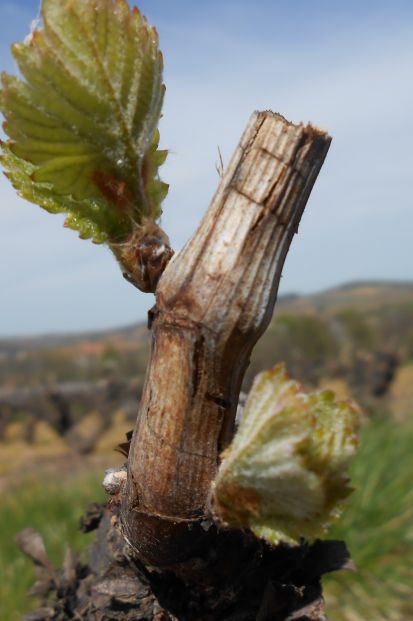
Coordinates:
(213, 302)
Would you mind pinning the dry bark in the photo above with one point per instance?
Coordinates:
(213, 302)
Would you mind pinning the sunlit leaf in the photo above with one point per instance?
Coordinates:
(285, 474)
(82, 121)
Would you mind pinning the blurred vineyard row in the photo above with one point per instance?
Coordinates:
(357, 340)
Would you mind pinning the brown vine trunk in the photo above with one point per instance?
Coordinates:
(213, 302)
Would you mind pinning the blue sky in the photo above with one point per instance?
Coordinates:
(345, 66)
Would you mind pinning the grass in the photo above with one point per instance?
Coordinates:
(54, 510)
(378, 528)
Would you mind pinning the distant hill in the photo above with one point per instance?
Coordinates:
(43, 342)
(316, 335)
(356, 339)
(364, 296)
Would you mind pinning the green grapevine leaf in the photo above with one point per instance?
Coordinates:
(82, 123)
(284, 475)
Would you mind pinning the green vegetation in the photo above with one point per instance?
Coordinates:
(378, 528)
(82, 122)
(285, 474)
(54, 510)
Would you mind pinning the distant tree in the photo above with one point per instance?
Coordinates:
(304, 342)
(356, 330)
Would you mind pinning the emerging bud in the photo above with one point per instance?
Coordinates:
(144, 256)
(285, 474)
